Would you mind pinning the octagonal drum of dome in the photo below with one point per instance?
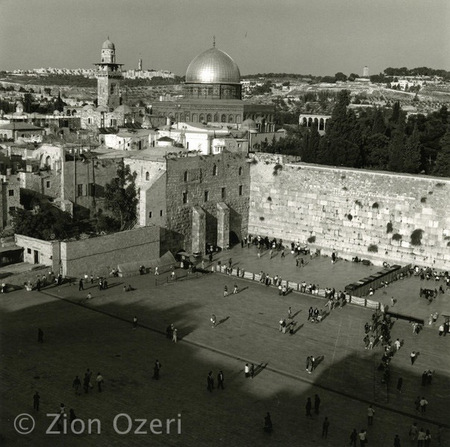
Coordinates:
(213, 66)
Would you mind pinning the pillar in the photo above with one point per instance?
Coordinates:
(223, 225)
(198, 230)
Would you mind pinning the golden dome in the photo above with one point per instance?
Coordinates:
(213, 66)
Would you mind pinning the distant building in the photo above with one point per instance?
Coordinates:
(365, 73)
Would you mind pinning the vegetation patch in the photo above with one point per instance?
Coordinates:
(311, 239)
(344, 188)
(277, 168)
(372, 248)
(423, 200)
(396, 237)
(358, 202)
(416, 237)
(389, 227)
(269, 199)
(375, 205)
(349, 217)
(261, 218)
(440, 185)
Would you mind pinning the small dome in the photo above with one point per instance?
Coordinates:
(213, 66)
(108, 45)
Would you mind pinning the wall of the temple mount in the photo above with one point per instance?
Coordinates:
(350, 210)
(205, 181)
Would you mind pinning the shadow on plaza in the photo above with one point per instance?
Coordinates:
(74, 333)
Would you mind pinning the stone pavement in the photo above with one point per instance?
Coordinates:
(98, 335)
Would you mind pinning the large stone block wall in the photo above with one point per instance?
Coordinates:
(194, 176)
(348, 210)
(100, 254)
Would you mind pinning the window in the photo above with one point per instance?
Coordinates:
(160, 213)
(214, 170)
(29, 251)
(185, 197)
(89, 121)
(240, 171)
(147, 176)
(240, 190)
(224, 194)
(11, 192)
(79, 190)
(185, 176)
(91, 189)
(48, 184)
(150, 215)
(206, 196)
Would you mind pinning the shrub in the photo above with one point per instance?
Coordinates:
(277, 168)
(375, 205)
(423, 200)
(312, 239)
(416, 237)
(396, 237)
(389, 227)
(357, 202)
(440, 185)
(372, 248)
(261, 218)
(349, 217)
(269, 199)
(344, 188)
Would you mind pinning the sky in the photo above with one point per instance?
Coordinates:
(318, 37)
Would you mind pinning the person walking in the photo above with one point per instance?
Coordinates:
(413, 432)
(399, 384)
(252, 370)
(99, 380)
(397, 441)
(76, 384)
(246, 370)
(312, 364)
(353, 437)
(36, 399)
(169, 331)
(423, 405)
(72, 415)
(220, 380)
(213, 321)
(175, 335)
(40, 336)
(156, 369)
(225, 291)
(308, 407)
(362, 435)
(290, 313)
(268, 427)
(325, 425)
(413, 357)
(370, 414)
(80, 285)
(308, 364)
(135, 322)
(235, 289)
(316, 404)
(210, 382)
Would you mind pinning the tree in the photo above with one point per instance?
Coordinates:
(412, 153)
(396, 147)
(121, 197)
(442, 167)
(339, 76)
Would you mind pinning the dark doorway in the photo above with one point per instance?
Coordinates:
(36, 257)
(234, 239)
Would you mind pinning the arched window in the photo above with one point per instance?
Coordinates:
(216, 118)
(201, 118)
(223, 118)
(147, 176)
(230, 118)
(240, 171)
(194, 118)
(208, 118)
(214, 170)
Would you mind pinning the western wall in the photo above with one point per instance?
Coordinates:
(380, 216)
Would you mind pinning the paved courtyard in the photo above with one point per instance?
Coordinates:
(98, 334)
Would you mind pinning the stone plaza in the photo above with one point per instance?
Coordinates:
(98, 334)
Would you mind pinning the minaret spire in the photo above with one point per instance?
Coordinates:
(214, 41)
